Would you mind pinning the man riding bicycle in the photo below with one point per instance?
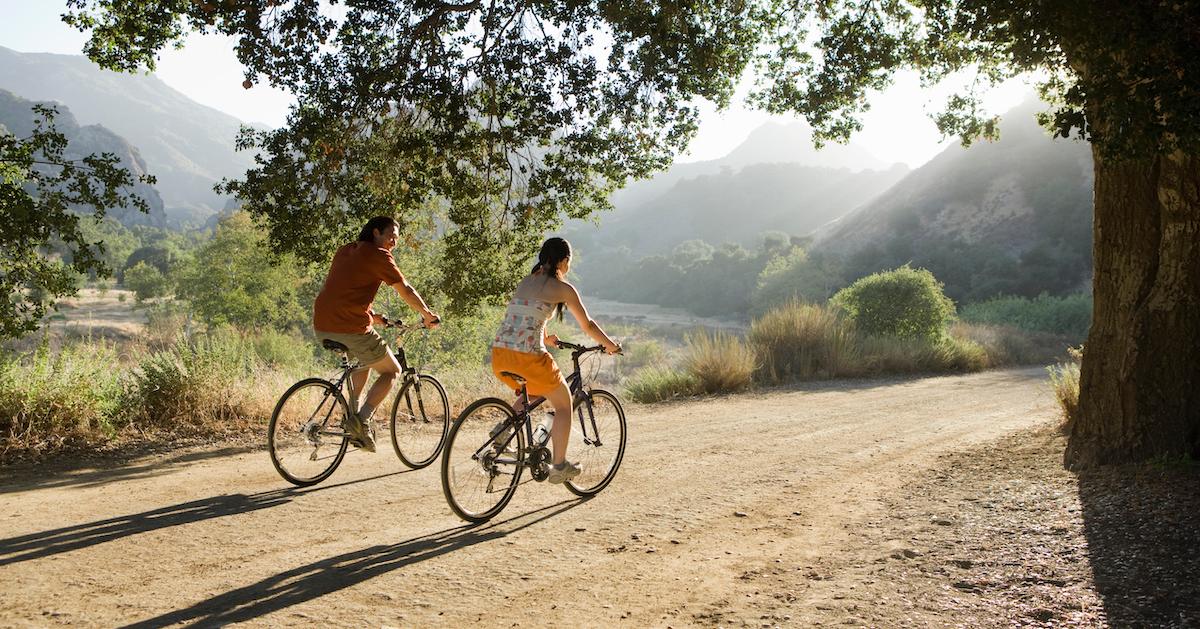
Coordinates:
(342, 313)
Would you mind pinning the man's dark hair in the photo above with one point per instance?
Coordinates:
(379, 223)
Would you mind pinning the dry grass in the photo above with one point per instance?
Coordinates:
(719, 362)
(801, 342)
(1064, 381)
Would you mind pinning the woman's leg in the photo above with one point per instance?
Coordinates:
(560, 433)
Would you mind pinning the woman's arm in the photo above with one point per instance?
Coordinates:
(570, 297)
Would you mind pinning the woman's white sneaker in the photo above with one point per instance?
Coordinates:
(562, 472)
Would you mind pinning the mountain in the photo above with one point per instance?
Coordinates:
(17, 116)
(770, 143)
(1012, 216)
(186, 145)
(737, 206)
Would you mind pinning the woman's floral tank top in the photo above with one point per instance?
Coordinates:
(524, 324)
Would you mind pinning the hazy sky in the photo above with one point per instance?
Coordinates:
(896, 129)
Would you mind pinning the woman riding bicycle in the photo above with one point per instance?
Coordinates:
(520, 344)
(342, 313)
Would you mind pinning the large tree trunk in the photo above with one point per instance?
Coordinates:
(1140, 378)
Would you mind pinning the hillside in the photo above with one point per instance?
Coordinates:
(1012, 216)
(187, 146)
(17, 116)
(771, 143)
(737, 206)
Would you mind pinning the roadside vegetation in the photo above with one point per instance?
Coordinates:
(223, 329)
(891, 323)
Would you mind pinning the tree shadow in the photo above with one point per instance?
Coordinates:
(46, 543)
(330, 575)
(28, 476)
(1143, 535)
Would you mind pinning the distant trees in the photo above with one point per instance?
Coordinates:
(236, 278)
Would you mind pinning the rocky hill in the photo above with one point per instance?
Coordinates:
(187, 146)
(17, 116)
(1012, 216)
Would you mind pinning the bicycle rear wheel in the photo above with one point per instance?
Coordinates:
(597, 442)
(305, 436)
(482, 465)
(420, 421)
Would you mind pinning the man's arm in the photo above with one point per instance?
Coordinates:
(413, 299)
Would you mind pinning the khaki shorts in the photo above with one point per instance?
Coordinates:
(366, 348)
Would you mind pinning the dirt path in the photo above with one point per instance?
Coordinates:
(725, 512)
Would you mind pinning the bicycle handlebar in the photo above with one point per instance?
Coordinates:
(581, 349)
(404, 327)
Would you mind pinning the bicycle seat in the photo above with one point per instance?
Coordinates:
(514, 376)
(333, 346)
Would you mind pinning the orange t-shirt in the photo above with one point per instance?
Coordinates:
(344, 304)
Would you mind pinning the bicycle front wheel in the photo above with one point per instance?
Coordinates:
(482, 464)
(597, 442)
(305, 436)
(420, 421)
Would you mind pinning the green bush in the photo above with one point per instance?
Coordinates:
(50, 398)
(904, 303)
(799, 342)
(1070, 315)
(658, 383)
(192, 384)
(286, 351)
(146, 281)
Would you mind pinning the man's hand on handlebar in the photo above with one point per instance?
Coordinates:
(611, 348)
(430, 320)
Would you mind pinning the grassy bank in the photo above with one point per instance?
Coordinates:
(800, 342)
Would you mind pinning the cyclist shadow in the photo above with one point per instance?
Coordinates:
(52, 542)
(330, 575)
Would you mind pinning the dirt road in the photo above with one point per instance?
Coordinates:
(721, 514)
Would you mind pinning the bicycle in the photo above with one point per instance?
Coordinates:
(482, 466)
(309, 416)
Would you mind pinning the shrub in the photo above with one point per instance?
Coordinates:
(718, 362)
(658, 383)
(192, 385)
(288, 352)
(1064, 380)
(146, 281)
(50, 398)
(799, 342)
(904, 303)
(1069, 315)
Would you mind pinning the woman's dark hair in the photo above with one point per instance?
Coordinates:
(379, 223)
(554, 250)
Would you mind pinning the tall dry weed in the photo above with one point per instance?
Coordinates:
(801, 341)
(719, 362)
(1064, 381)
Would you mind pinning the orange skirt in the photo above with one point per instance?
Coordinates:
(539, 370)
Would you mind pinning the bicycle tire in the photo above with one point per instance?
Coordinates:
(283, 441)
(462, 470)
(415, 451)
(598, 466)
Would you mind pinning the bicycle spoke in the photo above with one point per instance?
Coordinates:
(303, 449)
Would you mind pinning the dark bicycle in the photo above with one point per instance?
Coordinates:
(306, 438)
(490, 445)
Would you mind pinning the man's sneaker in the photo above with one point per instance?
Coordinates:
(359, 433)
(562, 472)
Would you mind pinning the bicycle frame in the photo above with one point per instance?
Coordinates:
(580, 401)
